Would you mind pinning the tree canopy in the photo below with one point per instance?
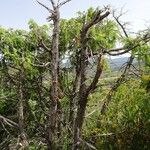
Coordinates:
(46, 106)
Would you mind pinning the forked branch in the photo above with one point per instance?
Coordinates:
(50, 10)
(99, 16)
(8, 122)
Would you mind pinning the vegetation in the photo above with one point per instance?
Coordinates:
(46, 104)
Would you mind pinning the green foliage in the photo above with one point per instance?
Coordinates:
(139, 48)
(127, 118)
(69, 32)
(127, 121)
(104, 34)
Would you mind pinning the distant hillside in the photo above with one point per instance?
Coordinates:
(117, 63)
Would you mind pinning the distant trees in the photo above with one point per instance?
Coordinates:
(44, 105)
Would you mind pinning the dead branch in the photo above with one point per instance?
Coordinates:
(8, 122)
(63, 3)
(43, 45)
(51, 11)
(115, 49)
(41, 65)
(89, 145)
(118, 82)
(99, 16)
(97, 75)
(83, 90)
(118, 53)
(124, 50)
(120, 24)
(4, 141)
(53, 4)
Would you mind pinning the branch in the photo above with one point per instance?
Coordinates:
(42, 44)
(90, 113)
(122, 27)
(126, 50)
(117, 20)
(118, 82)
(4, 141)
(122, 78)
(119, 53)
(89, 145)
(51, 11)
(8, 122)
(115, 86)
(63, 3)
(42, 65)
(97, 18)
(97, 75)
(53, 3)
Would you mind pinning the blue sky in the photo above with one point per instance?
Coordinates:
(17, 13)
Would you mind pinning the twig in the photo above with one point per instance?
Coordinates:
(90, 113)
(63, 3)
(41, 65)
(88, 144)
(8, 122)
(121, 25)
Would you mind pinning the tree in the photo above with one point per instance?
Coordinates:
(49, 96)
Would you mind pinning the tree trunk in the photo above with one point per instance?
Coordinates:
(54, 102)
(73, 98)
(82, 93)
(85, 90)
(22, 135)
(79, 122)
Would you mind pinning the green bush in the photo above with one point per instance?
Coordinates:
(126, 124)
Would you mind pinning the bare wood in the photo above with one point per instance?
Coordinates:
(97, 18)
(118, 53)
(97, 75)
(63, 3)
(41, 65)
(53, 3)
(51, 11)
(119, 23)
(53, 115)
(8, 122)
(119, 80)
(124, 50)
(42, 45)
(115, 49)
(83, 92)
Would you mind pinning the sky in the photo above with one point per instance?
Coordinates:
(17, 13)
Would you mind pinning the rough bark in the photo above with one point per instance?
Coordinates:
(84, 91)
(52, 115)
(73, 97)
(22, 135)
